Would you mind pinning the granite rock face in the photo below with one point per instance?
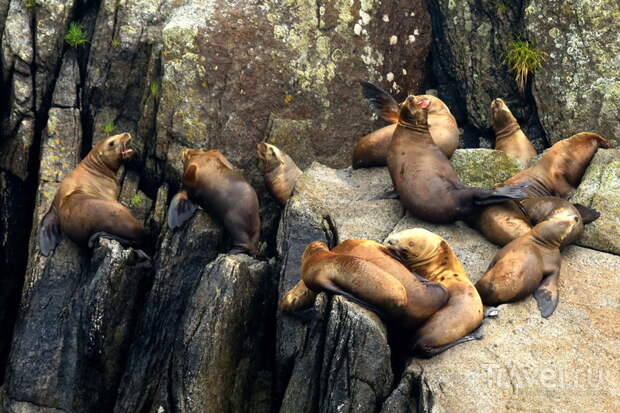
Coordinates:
(484, 167)
(579, 88)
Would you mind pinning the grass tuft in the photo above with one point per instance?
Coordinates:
(109, 127)
(154, 87)
(75, 36)
(522, 59)
(136, 200)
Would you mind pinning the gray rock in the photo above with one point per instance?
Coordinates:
(579, 88)
(600, 189)
(484, 167)
(75, 326)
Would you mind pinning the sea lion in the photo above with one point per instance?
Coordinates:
(212, 182)
(508, 134)
(430, 256)
(85, 206)
(423, 177)
(371, 150)
(279, 171)
(557, 173)
(517, 269)
(424, 298)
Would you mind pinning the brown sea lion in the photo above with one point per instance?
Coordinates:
(517, 269)
(430, 256)
(85, 206)
(372, 149)
(424, 298)
(212, 182)
(423, 177)
(279, 171)
(508, 134)
(557, 173)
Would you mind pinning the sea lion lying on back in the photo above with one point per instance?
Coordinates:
(557, 173)
(279, 171)
(85, 206)
(371, 150)
(423, 298)
(517, 270)
(423, 177)
(430, 256)
(212, 182)
(508, 134)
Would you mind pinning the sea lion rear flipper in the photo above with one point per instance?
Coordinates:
(547, 295)
(49, 232)
(433, 351)
(386, 195)
(498, 195)
(181, 209)
(381, 101)
(587, 214)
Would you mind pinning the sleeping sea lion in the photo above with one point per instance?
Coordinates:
(557, 173)
(212, 182)
(85, 206)
(371, 150)
(423, 177)
(279, 171)
(517, 269)
(424, 298)
(508, 134)
(430, 256)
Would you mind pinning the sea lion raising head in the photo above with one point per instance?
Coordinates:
(508, 134)
(279, 171)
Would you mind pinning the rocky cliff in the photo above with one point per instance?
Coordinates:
(196, 330)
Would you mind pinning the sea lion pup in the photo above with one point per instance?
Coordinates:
(517, 270)
(423, 177)
(557, 173)
(430, 256)
(279, 171)
(212, 182)
(424, 298)
(371, 150)
(508, 134)
(85, 207)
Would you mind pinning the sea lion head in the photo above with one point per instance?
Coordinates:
(414, 111)
(188, 154)
(501, 115)
(562, 227)
(415, 245)
(113, 151)
(270, 156)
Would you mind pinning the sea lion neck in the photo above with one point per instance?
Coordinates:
(546, 234)
(96, 166)
(418, 127)
(506, 130)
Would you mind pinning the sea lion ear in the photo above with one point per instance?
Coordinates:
(49, 233)
(181, 209)
(381, 101)
(189, 176)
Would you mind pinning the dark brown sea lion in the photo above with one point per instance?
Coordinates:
(371, 150)
(430, 256)
(279, 171)
(424, 298)
(423, 177)
(85, 205)
(557, 173)
(508, 134)
(212, 182)
(517, 270)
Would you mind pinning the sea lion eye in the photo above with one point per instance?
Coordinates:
(111, 144)
(411, 243)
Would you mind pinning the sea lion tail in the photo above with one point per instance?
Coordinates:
(501, 194)
(381, 101)
(49, 232)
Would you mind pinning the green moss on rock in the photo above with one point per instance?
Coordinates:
(484, 167)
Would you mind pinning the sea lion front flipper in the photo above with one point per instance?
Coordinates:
(49, 232)
(181, 209)
(501, 194)
(386, 195)
(433, 351)
(587, 214)
(547, 295)
(381, 101)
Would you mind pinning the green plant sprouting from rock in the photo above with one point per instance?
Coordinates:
(75, 36)
(116, 43)
(136, 200)
(522, 59)
(30, 3)
(109, 127)
(154, 87)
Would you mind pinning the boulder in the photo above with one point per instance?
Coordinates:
(579, 88)
(600, 189)
(484, 167)
(75, 325)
